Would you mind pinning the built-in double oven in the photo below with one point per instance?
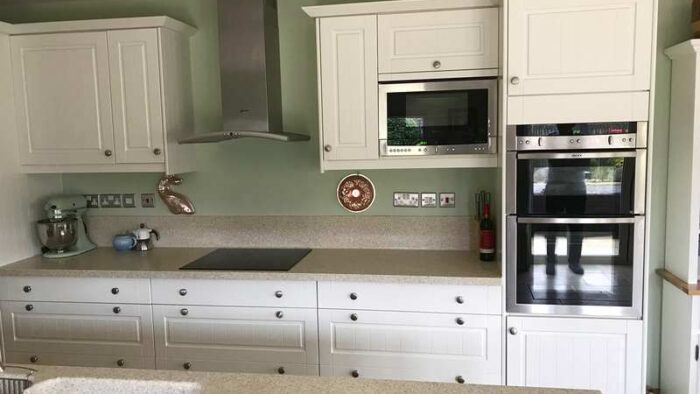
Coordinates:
(576, 214)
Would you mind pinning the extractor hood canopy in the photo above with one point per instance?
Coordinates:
(249, 59)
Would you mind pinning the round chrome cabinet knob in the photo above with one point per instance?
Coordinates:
(515, 81)
(33, 359)
(116, 309)
(108, 153)
(460, 379)
(121, 362)
(187, 365)
(157, 151)
(460, 321)
(353, 296)
(27, 289)
(29, 307)
(279, 314)
(353, 317)
(513, 331)
(355, 374)
(280, 370)
(459, 299)
(115, 290)
(279, 294)
(184, 311)
(183, 292)
(327, 148)
(437, 64)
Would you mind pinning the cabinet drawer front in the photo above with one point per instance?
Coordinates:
(238, 367)
(265, 335)
(456, 40)
(80, 360)
(234, 293)
(466, 343)
(442, 374)
(411, 298)
(78, 328)
(112, 290)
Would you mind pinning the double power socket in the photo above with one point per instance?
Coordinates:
(424, 200)
(120, 200)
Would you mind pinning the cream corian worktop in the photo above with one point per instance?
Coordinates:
(412, 266)
(261, 383)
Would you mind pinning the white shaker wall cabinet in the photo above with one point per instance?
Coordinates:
(579, 46)
(438, 41)
(349, 87)
(113, 97)
(596, 354)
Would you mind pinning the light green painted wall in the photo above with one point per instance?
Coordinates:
(674, 27)
(253, 177)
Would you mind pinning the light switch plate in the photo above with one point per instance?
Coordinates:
(92, 200)
(428, 200)
(128, 200)
(148, 200)
(110, 200)
(447, 200)
(406, 200)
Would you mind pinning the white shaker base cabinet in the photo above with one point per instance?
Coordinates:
(236, 339)
(411, 346)
(579, 46)
(597, 354)
(79, 334)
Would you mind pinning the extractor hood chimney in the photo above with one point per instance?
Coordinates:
(249, 56)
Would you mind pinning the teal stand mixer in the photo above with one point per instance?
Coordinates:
(63, 233)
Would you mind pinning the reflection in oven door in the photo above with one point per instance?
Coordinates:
(575, 266)
(591, 184)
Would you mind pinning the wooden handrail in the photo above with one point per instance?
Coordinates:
(692, 289)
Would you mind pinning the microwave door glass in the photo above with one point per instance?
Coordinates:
(576, 187)
(431, 118)
(575, 264)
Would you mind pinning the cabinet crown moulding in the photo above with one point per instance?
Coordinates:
(690, 47)
(98, 25)
(393, 7)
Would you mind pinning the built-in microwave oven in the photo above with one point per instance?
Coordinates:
(438, 117)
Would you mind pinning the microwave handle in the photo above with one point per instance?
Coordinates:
(578, 155)
(535, 220)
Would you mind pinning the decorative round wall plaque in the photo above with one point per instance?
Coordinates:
(356, 193)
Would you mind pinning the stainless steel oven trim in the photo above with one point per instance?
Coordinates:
(640, 173)
(539, 220)
(490, 84)
(594, 142)
(634, 311)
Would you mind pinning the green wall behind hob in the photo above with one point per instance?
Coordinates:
(252, 177)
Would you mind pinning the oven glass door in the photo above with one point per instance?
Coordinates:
(593, 184)
(576, 266)
(448, 117)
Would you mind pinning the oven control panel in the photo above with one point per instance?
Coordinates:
(618, 141)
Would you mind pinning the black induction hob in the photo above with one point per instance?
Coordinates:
(248, 260)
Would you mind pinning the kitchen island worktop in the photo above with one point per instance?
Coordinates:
(260, 383)
(366, 265)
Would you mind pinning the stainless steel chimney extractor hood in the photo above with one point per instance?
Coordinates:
(249, 56)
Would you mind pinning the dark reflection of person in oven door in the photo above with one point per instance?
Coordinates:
(565, 195)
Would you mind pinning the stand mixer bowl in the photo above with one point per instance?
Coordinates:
(57, 234)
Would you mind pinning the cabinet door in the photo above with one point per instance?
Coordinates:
(594, 354)
(136, 95)
(413, 346)
(62, 97)
(349, 87)
(579, 46)
(267, 336)
(438, 41)
(124, 330)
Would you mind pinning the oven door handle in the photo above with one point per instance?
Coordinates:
(578, 155)
(526, 220)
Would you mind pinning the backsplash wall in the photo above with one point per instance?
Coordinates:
(252, 177)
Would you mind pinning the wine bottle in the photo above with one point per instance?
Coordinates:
(487, 236)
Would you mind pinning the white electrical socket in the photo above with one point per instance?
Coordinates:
(428, 200)
(406, 200)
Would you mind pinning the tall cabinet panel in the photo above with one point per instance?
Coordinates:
(592, 354)
(63, 105)
(136, 95)
(348, 61)
(573, 46)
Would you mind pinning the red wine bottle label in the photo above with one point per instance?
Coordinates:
(487, 242)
